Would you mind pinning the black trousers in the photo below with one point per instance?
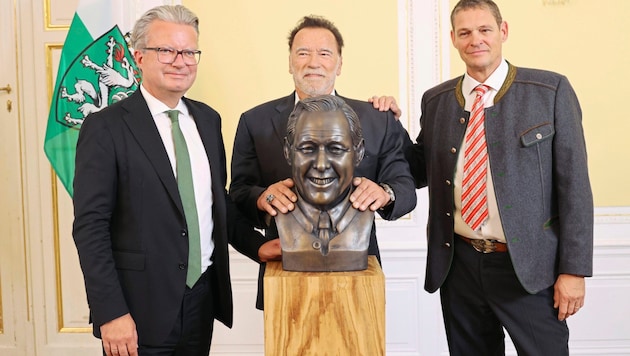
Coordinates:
(192, 331)
(482, 295)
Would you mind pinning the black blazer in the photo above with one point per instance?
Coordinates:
(129, 225)
(258, 159)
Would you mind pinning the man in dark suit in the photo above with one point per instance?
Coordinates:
(516, 257)
(152, 248)
(260, 184)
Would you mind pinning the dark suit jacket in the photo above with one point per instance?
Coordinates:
(129, 226)
(537, 158)
(258, 159)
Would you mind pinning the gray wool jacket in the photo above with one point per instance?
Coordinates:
(538, 164)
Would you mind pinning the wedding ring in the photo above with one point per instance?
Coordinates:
(270, 198)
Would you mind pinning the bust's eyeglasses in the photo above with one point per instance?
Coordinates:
(167, 55)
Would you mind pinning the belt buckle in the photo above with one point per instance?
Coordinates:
(483, 246)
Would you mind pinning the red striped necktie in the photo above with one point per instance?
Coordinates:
(474, 197)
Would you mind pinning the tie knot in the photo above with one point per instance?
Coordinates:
(324, 220)
(173, 115)
(481, 89)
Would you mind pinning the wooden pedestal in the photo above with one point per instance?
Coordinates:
(324, 313)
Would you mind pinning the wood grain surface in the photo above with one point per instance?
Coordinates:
(324, 313)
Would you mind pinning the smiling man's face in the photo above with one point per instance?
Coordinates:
(479, 39)
(322, 157)
(314, 62)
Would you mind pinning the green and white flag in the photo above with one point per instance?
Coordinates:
(96, 69)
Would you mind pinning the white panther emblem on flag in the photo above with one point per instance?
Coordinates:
(115, 73)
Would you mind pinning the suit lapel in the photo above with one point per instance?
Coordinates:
(281, 116)
(140, 122)
(213, 144)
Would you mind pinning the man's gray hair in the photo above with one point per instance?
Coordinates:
(178, 14)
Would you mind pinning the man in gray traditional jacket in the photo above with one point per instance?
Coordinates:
(510, 228)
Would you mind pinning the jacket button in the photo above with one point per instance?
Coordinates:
(447, 244)
(448, 182)
(462, 120)
(448, 214)
(182, 266)
(184, 233)
(453, 150)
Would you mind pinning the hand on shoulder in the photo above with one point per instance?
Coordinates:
(384, 103)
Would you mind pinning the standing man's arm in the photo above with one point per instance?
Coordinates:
(94, 199)
(247, 188)
(393, 170)
(246, 240)
(417, 163)
(252, 198)
(575, 203)
(414, 152)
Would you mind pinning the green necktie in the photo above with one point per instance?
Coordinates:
(187, 194)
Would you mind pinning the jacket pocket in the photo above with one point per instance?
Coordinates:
(129, 260)
(537, 134)
(534, 137)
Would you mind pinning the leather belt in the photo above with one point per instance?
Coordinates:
(485, 246)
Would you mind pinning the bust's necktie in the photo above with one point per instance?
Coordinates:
(474, 197)
(187, 195)
(324, 227)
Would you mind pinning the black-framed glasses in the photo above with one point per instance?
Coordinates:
(167, 55)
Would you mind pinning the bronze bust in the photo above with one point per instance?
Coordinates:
(324, 144)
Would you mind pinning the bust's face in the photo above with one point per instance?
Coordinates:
(323, 158)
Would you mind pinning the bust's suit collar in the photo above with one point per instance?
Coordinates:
(341, 214)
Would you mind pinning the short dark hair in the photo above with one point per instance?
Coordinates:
(325, 103)
(476, 4)
(313, 21)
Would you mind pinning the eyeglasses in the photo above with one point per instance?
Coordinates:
(167, 55)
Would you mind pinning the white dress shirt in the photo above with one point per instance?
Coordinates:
(199, 162)
(491, 228)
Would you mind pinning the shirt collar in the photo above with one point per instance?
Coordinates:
(297, 98)
(156, 107)
(495, 81)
